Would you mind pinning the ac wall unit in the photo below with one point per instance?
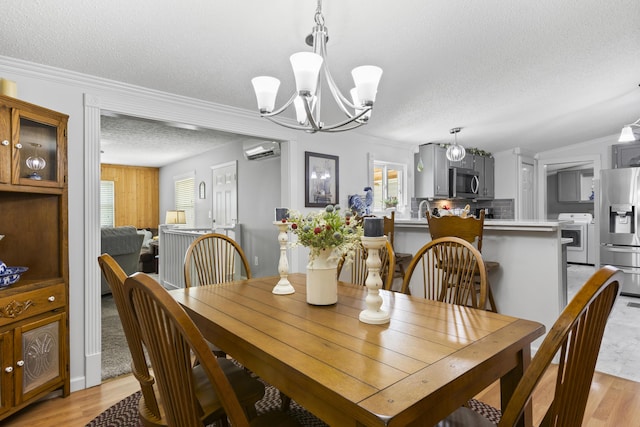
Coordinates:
(261, 150)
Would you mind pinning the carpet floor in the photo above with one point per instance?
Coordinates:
(125, 412)
(116, 359)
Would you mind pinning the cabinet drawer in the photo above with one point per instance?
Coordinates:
(30, 303)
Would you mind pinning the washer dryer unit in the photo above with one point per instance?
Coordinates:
(577, 251)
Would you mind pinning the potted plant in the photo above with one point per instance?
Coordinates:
(391, 202)
(330, 236)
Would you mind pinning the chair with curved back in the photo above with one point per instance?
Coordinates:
(575, 338)
(470, 229)
(402, 259)
(148, 406)
(150, 410)
(171, 337)
(211, 259)
(446, 267)
(359, 266)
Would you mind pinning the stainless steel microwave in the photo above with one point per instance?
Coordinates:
(463, 183)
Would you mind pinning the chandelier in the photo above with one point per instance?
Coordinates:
(306, 99)
(455, 152)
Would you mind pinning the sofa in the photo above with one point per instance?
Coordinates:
(124, 245)
(147, 263)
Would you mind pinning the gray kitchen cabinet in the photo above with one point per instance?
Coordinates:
(433, 180)
(575, 186)
(485, 166)
(465, 163)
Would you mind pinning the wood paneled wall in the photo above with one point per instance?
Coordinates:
(137, 193)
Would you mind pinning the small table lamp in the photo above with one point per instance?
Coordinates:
(175, 217)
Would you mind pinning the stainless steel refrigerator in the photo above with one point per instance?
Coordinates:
(620, 224)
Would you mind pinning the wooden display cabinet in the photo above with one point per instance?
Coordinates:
(34, 337)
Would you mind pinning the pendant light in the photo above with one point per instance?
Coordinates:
(455, 152)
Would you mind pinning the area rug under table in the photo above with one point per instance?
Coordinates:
(125, 412)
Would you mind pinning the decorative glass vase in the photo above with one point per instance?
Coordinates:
(322, 279)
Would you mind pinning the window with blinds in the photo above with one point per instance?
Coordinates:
(185, 195)
(107, 211)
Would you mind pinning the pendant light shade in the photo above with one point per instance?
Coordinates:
(455, 152)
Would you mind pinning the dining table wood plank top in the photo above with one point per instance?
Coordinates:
(428, 360)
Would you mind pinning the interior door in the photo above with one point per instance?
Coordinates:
(225, 194)
(527, 203)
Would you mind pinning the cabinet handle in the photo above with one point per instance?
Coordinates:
(18, 146)
(51, 298)
(8, 369)
(20, 363)
(5, 142)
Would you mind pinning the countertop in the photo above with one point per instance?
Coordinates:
(495, 224)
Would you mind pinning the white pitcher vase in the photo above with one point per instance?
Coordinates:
(322, 279)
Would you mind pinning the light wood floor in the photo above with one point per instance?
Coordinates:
(613, 402)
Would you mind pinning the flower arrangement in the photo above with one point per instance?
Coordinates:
(326, 229)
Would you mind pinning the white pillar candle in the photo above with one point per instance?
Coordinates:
(8, 88)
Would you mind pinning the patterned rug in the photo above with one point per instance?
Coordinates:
(125, 412)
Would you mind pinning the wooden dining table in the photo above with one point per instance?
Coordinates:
(431, 357)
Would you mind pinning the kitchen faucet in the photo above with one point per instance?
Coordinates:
(421, 213)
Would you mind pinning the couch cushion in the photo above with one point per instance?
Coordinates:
(120, 240)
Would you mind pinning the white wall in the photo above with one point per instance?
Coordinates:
(81, 97)
(258, 196)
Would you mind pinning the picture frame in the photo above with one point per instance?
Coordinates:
(321, 180)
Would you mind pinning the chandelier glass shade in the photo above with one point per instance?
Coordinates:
(308, 69)
(455, 152)
(627, 134)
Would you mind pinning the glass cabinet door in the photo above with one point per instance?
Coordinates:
(37, 146)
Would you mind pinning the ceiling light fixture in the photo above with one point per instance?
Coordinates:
(455, 152)
(306, 99)
(627, 134)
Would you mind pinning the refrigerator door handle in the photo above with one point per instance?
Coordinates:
(622, 249)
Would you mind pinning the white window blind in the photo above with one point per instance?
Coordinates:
(185, 195)
(107, 215)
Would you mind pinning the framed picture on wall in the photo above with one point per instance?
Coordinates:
(321, 180)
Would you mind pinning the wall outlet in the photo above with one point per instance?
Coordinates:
(255, 260)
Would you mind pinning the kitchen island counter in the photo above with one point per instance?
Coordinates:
(529, 281)
(495, 224)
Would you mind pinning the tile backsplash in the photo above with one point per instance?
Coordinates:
(502, 208)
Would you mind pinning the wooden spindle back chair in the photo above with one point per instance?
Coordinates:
(575, 339)
(444, 270)
(171, 337)
(211, 259)
(470, 229)
(359, 269)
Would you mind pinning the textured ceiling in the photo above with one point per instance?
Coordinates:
(135, 141)
(518, 73)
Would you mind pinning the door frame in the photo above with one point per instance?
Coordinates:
(162, 107)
